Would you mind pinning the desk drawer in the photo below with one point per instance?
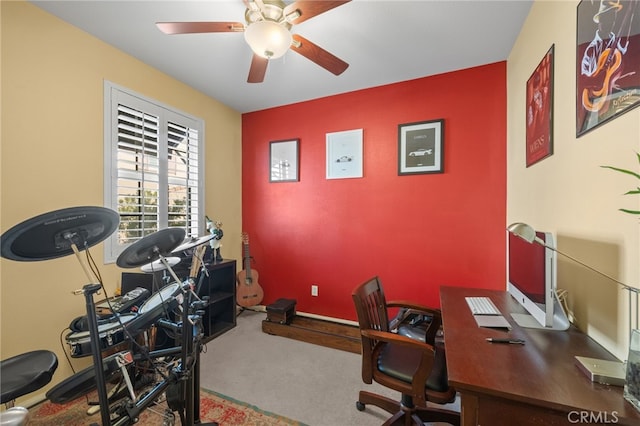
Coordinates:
(484, 410)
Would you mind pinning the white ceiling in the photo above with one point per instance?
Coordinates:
(384, 41)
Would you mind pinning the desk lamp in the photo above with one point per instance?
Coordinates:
(598, 370)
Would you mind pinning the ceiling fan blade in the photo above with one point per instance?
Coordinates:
(310, 8)
(199, 27)
(258, 69)
(316, 54)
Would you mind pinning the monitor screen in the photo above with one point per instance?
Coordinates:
(531, 280)
(131, 280)
(527, 267)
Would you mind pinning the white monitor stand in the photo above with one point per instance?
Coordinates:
(560, 320)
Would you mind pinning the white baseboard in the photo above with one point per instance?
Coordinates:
(263, 308)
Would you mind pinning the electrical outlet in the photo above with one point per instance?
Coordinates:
(314, 289)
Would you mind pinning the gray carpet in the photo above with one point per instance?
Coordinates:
(313, 384)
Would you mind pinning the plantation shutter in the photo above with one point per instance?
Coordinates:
(153, 169)
(183, 174)
(138, 174)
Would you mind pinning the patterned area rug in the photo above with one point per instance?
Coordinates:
(214, 407)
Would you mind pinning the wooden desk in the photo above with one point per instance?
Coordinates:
(533, 384)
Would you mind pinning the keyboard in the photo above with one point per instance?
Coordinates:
(482, 306)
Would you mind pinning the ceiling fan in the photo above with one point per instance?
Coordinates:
(268, 32)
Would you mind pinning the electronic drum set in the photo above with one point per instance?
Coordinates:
(170, 372)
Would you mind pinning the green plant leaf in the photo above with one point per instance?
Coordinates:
(632, 191)
(629, 172)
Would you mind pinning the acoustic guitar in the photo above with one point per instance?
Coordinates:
(248, 291)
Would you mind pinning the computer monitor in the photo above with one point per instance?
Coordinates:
(531, 280)
(131, 280)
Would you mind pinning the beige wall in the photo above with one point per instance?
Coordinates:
(52, 158)
(569, 193)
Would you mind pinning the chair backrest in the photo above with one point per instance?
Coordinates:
(371, 308)
(371, 305)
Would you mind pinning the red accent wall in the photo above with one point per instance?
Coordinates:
(416, 232)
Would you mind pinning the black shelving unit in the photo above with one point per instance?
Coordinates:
(220, 287)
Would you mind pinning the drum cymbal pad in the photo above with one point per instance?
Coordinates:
(151, 247)
(51, 235)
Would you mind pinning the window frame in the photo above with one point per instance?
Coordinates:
(115, 95)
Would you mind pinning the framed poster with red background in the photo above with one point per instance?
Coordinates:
(539, 119)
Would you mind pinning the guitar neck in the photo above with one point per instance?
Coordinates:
(196, 260)
(247, 260)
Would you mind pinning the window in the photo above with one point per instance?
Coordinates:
(153, 168)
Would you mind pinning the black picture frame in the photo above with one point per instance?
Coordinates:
(284, 160)
(421, 147)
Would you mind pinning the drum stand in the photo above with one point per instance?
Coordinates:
(188, 361)
(89, 290)
(198, 347)
(189, 369)
(192, 311)
(191, 346)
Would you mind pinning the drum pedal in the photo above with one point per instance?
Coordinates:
(123, 359)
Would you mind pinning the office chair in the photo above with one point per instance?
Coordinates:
(415, 369)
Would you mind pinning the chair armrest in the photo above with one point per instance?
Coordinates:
(385, 336)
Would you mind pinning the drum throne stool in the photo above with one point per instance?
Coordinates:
(21, 375)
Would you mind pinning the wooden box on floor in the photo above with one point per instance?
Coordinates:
(281, 311)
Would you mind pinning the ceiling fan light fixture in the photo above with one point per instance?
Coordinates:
(268, 39)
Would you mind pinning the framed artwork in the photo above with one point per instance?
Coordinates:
(421, 147)
(607, 58)
(283, 161)
(344, 154)
(539, 139)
